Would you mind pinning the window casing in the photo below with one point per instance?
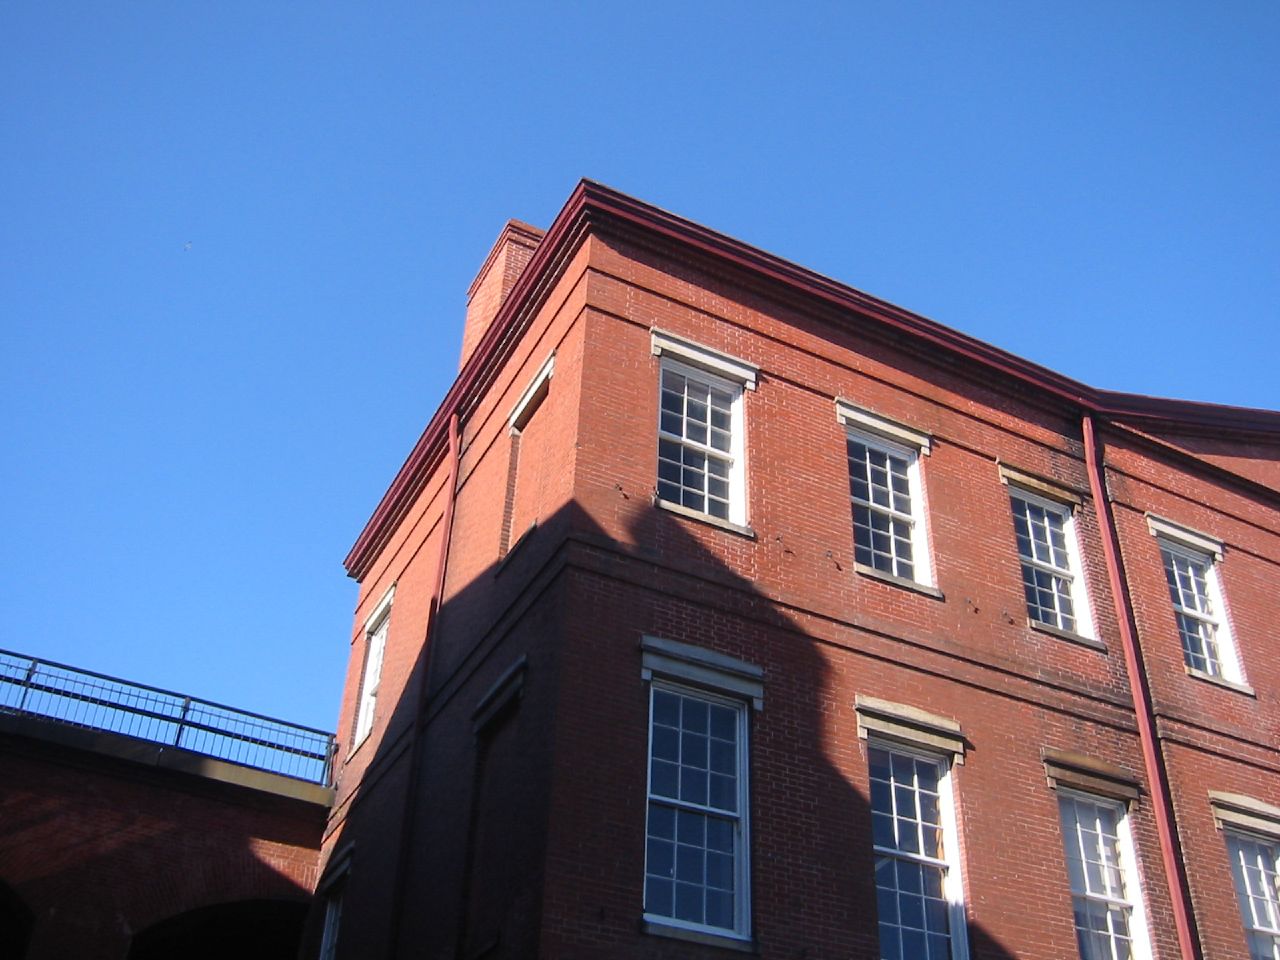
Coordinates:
(1052, 576)
(1198, 608)
(888, 517)
(1110, 920)
(332, 923)
(376, 628)
(696, 850)
(919, 897)
(1255, 868)
(700, 448)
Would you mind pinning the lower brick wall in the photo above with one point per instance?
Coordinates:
(99, 850)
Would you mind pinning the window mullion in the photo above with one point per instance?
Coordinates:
(693, 807)
(887, 511)
(1063, 572)
(907, 855)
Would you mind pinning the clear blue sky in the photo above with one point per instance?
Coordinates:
(235, 241)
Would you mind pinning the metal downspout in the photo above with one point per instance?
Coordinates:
(424, 685)
(1153, 759)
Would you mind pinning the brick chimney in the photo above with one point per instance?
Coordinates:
(506, 261)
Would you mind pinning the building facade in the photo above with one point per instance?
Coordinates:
(724, 608)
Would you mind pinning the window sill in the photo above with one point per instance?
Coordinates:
(356, 749)
(684, 511)
(896, 581)
(1244, 688)
(724, 940)
(1069, 635)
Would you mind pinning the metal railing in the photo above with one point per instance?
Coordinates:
(82, 698)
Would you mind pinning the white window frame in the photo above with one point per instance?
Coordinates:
(1268, 931)
(953, 877)
(1082, 609)
(737, 500)
(722, 372)
(1203, 550)
(742, 877)
(691, 671)
(1130, 873)
(331, 889)
(332, 922)
(921, 562)
(1250, 820)
(376, 628)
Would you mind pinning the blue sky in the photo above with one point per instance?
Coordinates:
(236, 238)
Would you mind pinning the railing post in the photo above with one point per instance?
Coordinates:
(330, 754)
(182, 720)
(26, 685)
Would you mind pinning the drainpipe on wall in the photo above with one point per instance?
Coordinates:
(424, 685)
(1153, 759)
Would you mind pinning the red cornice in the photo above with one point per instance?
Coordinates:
(593, 204)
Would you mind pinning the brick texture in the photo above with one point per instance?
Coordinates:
(601, 566)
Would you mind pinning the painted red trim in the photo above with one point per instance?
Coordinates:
(594, 205)
(1139, 686)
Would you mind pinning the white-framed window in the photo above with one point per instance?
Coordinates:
(332, 922)
(1255, 868)
(696, 833)
(697, 822)
(889, 533)
(375, 633)
(919, 893)
(1110, 919)
(701, 442)
(330, 889)
(1190, 570)
(1251, 829)
(1052, 576)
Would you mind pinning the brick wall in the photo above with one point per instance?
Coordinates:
(100, 849)
(604, 566)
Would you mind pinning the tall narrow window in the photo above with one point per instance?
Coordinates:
(696, 860)
(919, 905)
(1255, 867)
(1109, 919)
(1191, 574)
(529, 467)
(701, 458)
(697, 450)
(1052, 579)
(332, 922)
(884, 491)
(888, 531)
(375, 647)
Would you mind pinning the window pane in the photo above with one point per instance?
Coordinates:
(1047, 578)
(906, 816)
(1101, 895)
(1197, 622)
(1255, 869)
(696, 419)
(692, 851)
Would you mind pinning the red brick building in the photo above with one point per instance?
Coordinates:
(722, 607)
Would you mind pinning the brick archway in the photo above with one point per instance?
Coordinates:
(246, 929)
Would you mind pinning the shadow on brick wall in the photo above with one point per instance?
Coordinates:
(524, 834)
(107, 858)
